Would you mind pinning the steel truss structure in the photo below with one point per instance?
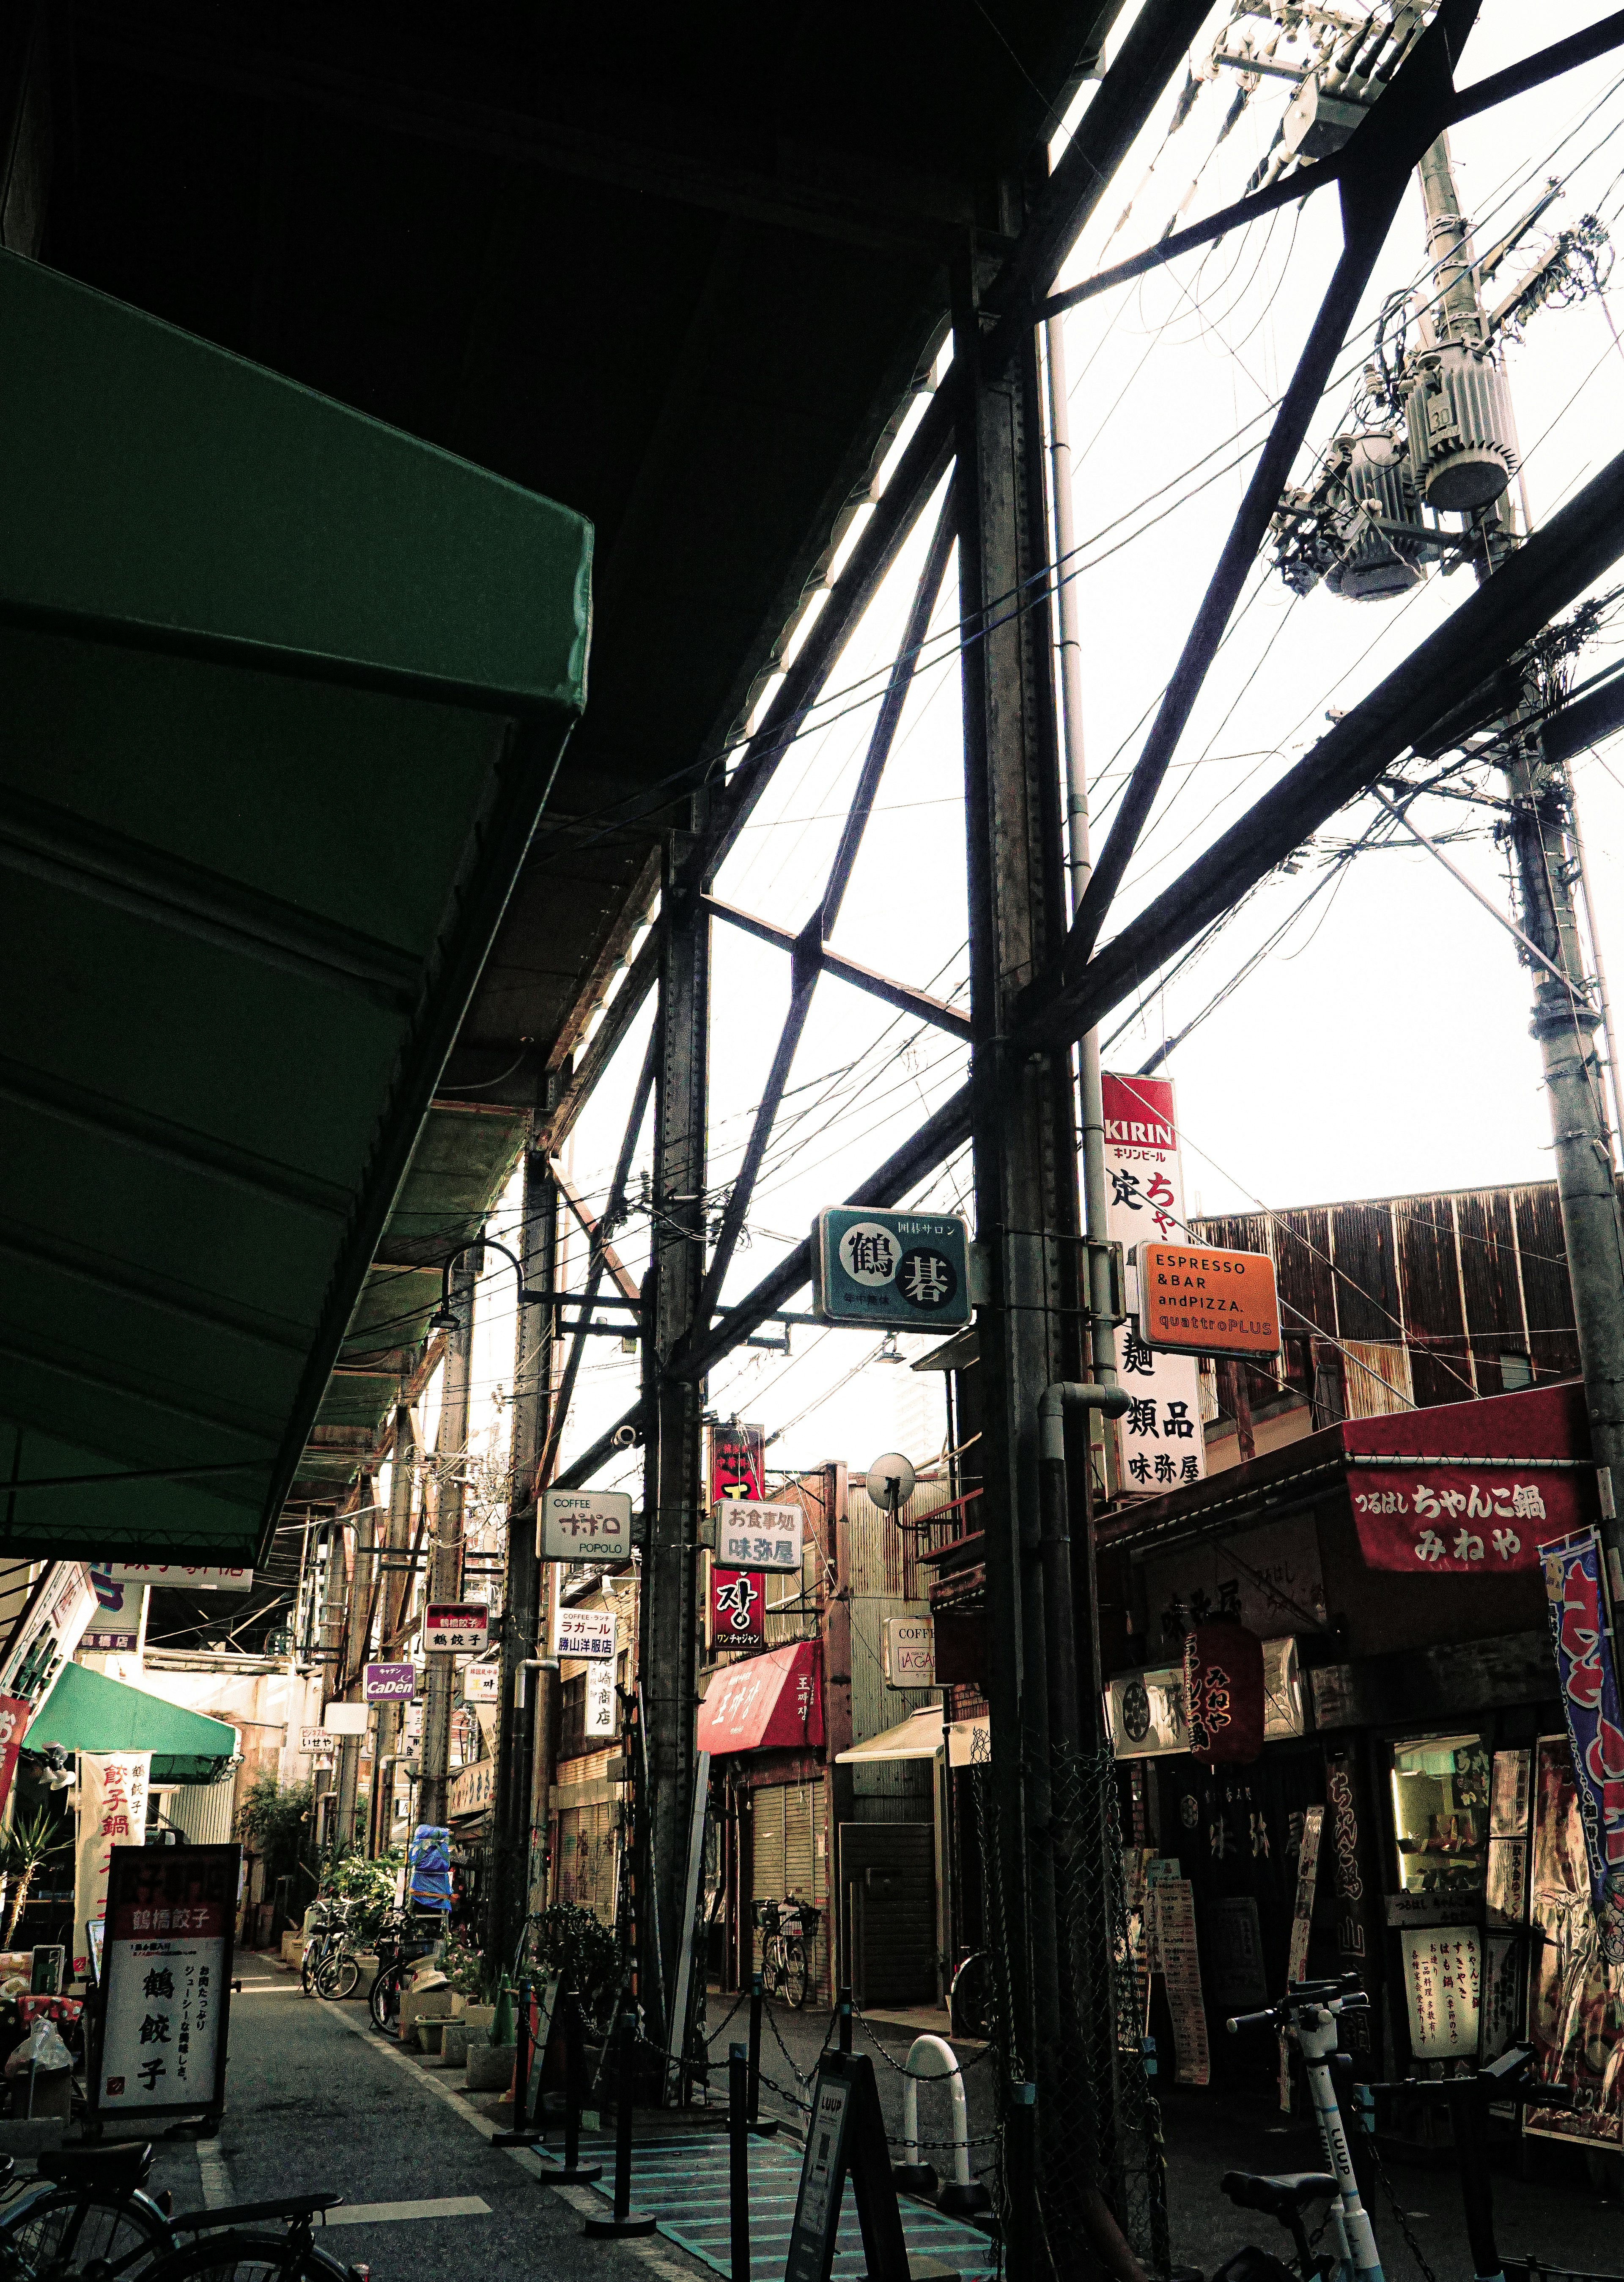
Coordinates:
(1037, 986)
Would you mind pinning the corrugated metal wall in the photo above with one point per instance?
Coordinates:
(886, 1580)
(1425, 1294)
(785, 1859)
(204, 1811)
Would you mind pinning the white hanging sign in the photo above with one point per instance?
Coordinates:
(585, 1525)
(584, 1632)
(750, 1534)
(174, 1574)
(482, 1683)
(910, 1652)
(1161, 1438)
(601, 1697)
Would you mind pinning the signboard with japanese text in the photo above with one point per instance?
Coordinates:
(1302, 1911)
(1581, 1635)
(1160, 1439)
(1199, 1299)
(473, 1790)
(737, 1456)
(891, 1270)
(585, 1525)
(750, 1534)
(163, 2002)
(1458, 1521)
(1144, 1711)
(910, 1652)
(318, 1743)
(1442, 1972)
(1178, 1963)
(390, 1683)
(482, 1683)
(181, 1578)
(60, 1608)
(584, 1632)
(738, 1609)
(341, 1718)
(112, 1813)
(458, 1625)
(598, 1715)
(1270, 1580)
(115, 1623)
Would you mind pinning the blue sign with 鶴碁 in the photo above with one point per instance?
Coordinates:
(901, 1271)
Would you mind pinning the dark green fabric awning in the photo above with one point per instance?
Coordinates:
(285, 691)
(87, 1711)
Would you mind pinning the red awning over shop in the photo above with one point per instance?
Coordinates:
(772, 1702)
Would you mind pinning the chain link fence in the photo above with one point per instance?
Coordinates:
(1095, 2134)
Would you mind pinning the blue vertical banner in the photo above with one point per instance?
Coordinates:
(1582, 1636)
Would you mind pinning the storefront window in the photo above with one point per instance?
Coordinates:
(1441, 1812)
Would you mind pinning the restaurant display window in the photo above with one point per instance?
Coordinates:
(1440, 1799)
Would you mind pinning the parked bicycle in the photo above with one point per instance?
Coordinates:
(970, 1999)
(331, 1920)
(786, 1928)
(403, 1942)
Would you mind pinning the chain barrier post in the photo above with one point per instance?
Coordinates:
(625, 2220)
(1020, 2136)
(843, 2010)
(753, 2107)
(740, 2121)
(575, 2173)
(521, 2134)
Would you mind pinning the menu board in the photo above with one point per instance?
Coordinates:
(166, 1977)
(1442, 1977)
(1180, 1965)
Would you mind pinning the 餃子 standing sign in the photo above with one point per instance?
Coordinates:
(163, 2003)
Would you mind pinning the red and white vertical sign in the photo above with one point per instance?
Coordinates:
(112, 1811)
(166, 1975)
(1160, 1438)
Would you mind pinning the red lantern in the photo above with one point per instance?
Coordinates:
(1224, 1694)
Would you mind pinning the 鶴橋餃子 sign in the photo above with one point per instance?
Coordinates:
(891, 1270)
(1580, 1633)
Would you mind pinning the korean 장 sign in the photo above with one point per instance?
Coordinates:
(891, 1270)
(585, 1525)
(1160, 1439)
(390, 1683)
(1200, 1299)
(584, 1632)
(750, 1534)
(456, 1624)
(1581, 1635)
(738, 1609)
(165, 1978)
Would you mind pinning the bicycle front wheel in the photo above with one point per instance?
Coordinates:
(313, 1959)
(385, 2002)
(797, 1979)
(251, 2258)
(63, 2231)
(338, 1976)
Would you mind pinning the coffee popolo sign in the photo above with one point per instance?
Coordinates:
(891, 1270)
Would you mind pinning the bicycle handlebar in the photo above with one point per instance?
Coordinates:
(1341, 1995)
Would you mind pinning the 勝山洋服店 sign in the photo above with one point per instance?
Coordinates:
(891, 1270)
(390, 1683)
(910, 1652)
(1160, 1438)
(750, 1534)
(584, 1632)
(163, 1998)
(458, 1625)
(585, 1525)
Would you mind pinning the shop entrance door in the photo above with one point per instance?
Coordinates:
(889, 1911)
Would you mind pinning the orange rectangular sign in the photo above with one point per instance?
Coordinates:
(1196, 1299)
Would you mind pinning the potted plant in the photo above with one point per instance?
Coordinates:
(35, 1838)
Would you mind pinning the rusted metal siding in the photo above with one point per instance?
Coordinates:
(1376, 1377)
(1547, 1296)
(1302, 1269)
(886, 1580)
(1441, 1369)
(1367, 1300)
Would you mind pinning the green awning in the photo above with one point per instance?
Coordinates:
(87, 1711)
(285, 691)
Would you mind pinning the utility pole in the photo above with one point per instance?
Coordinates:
(667, 1663)
(357, 1626)
(334, 1612)
(396, 1584)
(1546, 862)
(532, 1419)
(446, 1541)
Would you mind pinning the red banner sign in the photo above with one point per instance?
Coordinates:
(737, 1455)
(1224, 1694)
(1456, 1521)
(737, 1608)
(15, 1713)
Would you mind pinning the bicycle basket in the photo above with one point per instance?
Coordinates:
(765, 1916)
(799, 1918)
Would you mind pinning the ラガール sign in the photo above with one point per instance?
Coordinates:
(910, 1652)
(584, 1632)
(891, 1270)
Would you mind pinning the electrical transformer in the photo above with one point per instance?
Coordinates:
(1463, 442)
(1375, 562)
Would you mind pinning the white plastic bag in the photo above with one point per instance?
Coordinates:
(41, 2048)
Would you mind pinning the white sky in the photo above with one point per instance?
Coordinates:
(1384, 1046)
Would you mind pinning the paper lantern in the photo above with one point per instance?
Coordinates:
(1224, 1694)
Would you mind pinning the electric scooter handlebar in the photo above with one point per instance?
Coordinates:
(1341, 1995)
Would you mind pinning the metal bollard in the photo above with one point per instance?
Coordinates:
(522, 2134)
(739, 2125)
(930, 2057)
(625, 2220)
(753, 2101)
(574, 2173)
(843, 2008)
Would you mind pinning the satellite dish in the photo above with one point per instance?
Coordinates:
(890, 1481)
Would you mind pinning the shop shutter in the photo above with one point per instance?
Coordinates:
(798, 1871)
(766, 1854)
